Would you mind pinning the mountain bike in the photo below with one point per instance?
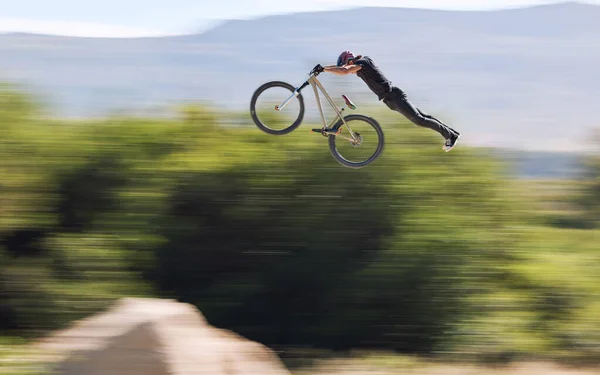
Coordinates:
(355, 140)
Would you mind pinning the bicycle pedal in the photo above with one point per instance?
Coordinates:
(321, 131)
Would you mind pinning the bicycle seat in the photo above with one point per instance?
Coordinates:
(348, 102)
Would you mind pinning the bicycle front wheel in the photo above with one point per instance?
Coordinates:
(266, 112)
(358, 142)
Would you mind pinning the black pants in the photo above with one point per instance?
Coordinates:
(396, 101)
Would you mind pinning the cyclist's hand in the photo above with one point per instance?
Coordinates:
(318, 69)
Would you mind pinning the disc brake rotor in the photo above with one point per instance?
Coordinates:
(358, 140)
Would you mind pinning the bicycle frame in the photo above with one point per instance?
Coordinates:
(318, 86)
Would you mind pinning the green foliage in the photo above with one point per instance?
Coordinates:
(422, 251)
(589, 200)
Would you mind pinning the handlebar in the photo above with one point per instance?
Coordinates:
(318, 69)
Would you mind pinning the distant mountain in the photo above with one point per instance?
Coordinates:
(526, 78)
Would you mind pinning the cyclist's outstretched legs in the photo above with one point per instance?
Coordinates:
(397, 101)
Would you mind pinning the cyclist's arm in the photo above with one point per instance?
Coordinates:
(342, 70)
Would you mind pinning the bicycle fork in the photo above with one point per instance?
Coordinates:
(296, 92)
(281, 106)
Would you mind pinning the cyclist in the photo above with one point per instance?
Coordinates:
(392, 96)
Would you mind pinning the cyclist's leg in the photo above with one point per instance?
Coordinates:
(426, 114)
(418, 118)
(398, 102)
(435, 119)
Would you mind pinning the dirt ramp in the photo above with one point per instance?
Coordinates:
(156, 337)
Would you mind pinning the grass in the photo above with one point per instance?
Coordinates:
(17, 358)
(389, 363)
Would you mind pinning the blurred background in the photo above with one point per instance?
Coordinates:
(130, 167)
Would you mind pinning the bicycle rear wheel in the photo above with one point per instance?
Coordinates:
(264, 103)
(361, 151)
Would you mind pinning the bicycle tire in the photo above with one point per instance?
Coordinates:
(264, 127)
(380, 144)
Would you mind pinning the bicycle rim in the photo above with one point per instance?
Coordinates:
(264, 113)
(361, 148)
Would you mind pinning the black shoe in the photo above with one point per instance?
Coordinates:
(451, 142)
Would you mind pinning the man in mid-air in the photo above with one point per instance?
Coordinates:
(392, 96)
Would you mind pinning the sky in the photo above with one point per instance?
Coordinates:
(133, 18)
